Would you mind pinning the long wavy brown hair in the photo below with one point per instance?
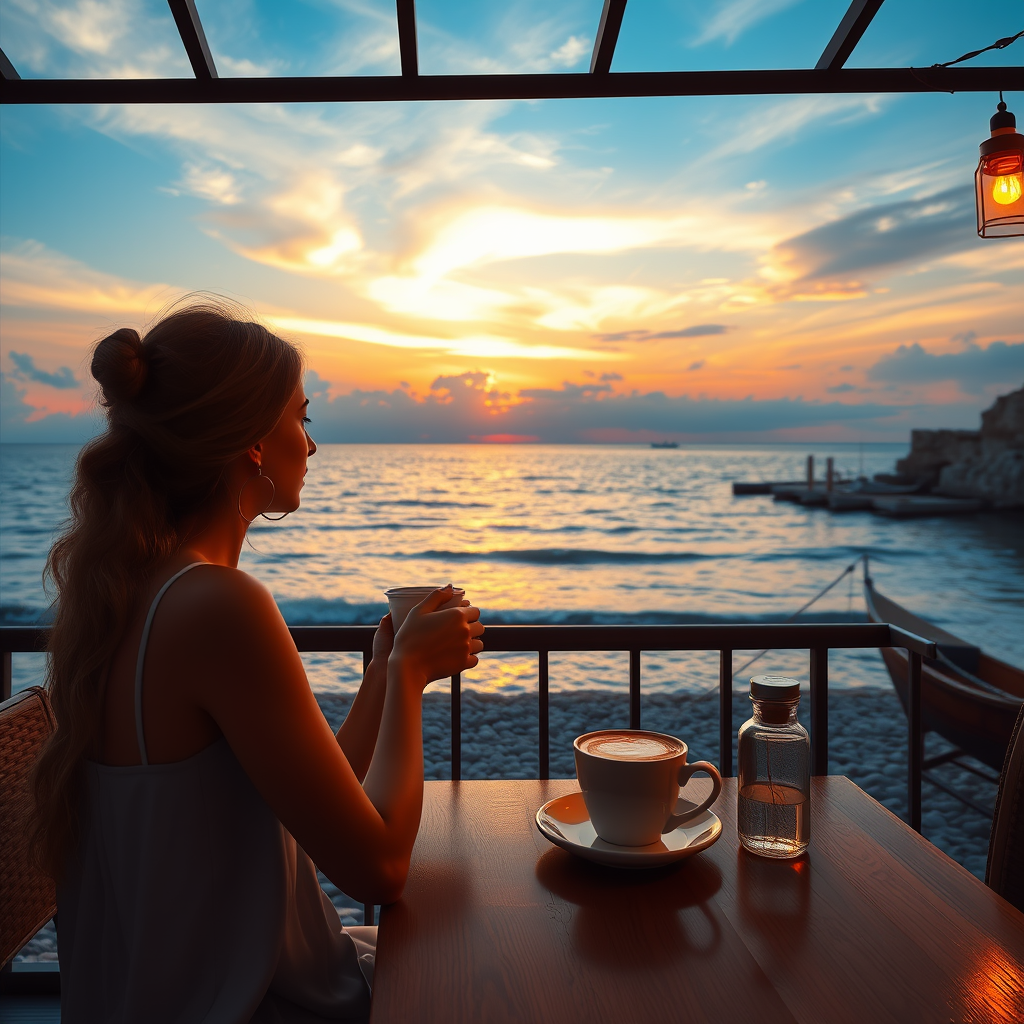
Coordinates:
(205, 384)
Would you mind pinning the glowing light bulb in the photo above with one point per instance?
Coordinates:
(1007, 189)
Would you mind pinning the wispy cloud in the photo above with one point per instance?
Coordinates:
(36, 277)
(25, 369)
(731, 18)
(696, 331)
(473, 347)
(92, 39)
(878, 236)
(520, 38)
(432, 276)
(489, 234)
(783, 121)
(33, 277)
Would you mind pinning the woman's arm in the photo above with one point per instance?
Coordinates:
(357, 736)
(240, 666)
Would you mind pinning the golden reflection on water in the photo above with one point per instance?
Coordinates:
(587, 534)
(593, 534)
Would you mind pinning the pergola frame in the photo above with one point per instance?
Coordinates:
(828, 76)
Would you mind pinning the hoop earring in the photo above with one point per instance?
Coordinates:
(259, 476)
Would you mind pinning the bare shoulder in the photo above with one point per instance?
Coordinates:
(222, 601)
(224, 641)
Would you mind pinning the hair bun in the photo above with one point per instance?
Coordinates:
(119, 365)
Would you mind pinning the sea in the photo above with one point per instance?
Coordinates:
(577, 534)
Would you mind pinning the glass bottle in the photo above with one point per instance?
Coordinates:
(774, 753)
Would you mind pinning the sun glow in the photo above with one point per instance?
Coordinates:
(492, 234)
(480, 347)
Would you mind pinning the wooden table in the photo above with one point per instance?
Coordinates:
(874, 924)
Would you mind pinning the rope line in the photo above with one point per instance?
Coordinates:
(821, 593)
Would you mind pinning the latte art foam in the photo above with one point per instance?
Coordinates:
(624, 746)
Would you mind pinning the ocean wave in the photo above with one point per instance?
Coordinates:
(317, 611)
(355, 527)
(338, 612)
(321, 611)
(559, 556)
(24, 615)
(16, 529)
(599, 556)
(582, 617)
(417, 502)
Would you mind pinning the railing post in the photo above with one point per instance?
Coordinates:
(457, 726)
(368, 913)
(915, 753)
(819, 711)
(544, 766)
(725, 713)
(367, 657)
(634, 689)
(8, 682)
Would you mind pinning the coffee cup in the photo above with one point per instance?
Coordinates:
(402, 600)
(631, 779)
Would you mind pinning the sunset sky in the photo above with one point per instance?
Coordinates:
(770, 268)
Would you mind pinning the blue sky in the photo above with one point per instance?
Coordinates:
(567, 253)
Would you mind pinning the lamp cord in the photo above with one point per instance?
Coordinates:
(999, 44)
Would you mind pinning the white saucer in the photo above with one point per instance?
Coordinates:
(564, 821)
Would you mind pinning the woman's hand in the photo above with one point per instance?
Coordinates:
(434, 642)
(383, 641)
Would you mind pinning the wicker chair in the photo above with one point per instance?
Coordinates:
(27, 896)
(1005, 870)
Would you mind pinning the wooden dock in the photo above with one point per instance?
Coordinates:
(888, 497)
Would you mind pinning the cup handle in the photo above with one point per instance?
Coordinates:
(685, 774)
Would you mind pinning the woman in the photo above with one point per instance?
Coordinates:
(192, 782)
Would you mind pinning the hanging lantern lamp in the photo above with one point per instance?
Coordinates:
(999, 179)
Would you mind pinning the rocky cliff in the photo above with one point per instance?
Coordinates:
(986, 463)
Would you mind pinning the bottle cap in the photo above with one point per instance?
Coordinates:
(776, 688)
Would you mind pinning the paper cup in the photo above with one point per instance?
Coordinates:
(402, 600)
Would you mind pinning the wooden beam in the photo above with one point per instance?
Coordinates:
(7, 71)
(190, 28)
(803, 81)
(407, 38)
(607, 36)
(847, 36)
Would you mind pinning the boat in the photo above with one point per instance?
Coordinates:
(967, 697)
(850, 501)
(664, 444)
(882, 487)
(914, 506)
(742, 487)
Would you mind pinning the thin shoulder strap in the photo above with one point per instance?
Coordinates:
(142, 658)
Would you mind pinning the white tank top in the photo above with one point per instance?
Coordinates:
(187, 901)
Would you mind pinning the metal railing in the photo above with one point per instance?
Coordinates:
(816, 638)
